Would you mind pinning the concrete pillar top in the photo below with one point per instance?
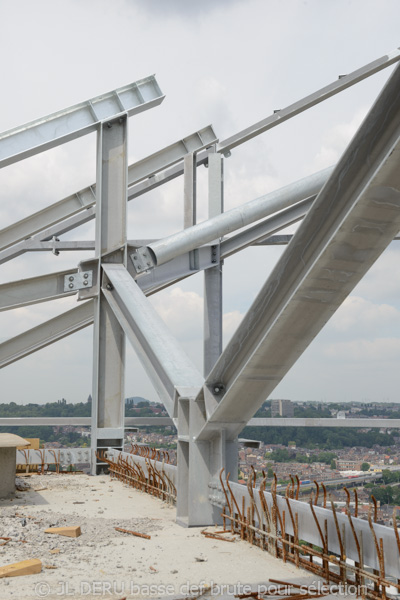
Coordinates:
(9, 440)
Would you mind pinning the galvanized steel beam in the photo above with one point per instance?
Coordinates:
(168, 248)
(35, 289)
(170, 369)
(280, 116)
(213, 310)
(111, 246)
(354, 218)
(259, 234)
(86, 198)
(47, 333)
(323, 422)
(80, 421)
(76, 121)
(49, 233)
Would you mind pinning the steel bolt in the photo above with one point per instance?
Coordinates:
(109, 286)
(135, 257)
(71, 285)
(109, 125)
(71, 278)
(86, 276)
(85, 282)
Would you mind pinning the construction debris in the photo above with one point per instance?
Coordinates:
(201, 558)
(7, 539)
(214, 536)
(25, 567)
(73, 531)
(141, 535)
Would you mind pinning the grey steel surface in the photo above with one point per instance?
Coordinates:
(48, 332)
(162, 251)
(259, 233)
(298, 422)
(213, 278)
(84, 199)
(48, 233)
(354, 218)
(78, 120)
(168, 366)
(189, 190)
(111, 245)
(35, 289)
(78, 281)
(167, 421)
(315, 98)
(80, 421)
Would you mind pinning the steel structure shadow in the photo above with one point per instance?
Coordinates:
(352, 212)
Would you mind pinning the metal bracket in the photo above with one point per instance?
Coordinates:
(142, 260)
(215, 254)
(79, 281)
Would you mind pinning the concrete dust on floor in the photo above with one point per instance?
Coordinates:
(105, 563)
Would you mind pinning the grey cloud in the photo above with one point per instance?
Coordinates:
(182, 8)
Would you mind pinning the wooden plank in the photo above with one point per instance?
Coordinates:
(25, 567)
(74, 531)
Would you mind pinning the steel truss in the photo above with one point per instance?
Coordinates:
(350, 213)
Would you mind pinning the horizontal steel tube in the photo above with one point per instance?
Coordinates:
(168, 248)
(324, 422)
(80, 421)
(262, 230)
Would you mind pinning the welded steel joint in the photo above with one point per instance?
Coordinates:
(78, 281)
(143, 260)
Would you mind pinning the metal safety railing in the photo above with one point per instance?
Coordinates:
(143, 472)
(281, 526)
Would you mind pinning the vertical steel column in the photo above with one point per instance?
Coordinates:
(199, 463)
(111, 247)
(189, 190)
(213, 277)
(222, 453)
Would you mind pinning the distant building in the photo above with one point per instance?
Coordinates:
(282, 408)
(348, 465)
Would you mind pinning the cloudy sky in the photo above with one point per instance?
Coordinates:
(228, 63)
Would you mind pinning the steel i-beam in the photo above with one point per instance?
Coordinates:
(354, 218)
(108, 337)
(76, 121)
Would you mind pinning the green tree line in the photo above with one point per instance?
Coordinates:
(325, 438)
